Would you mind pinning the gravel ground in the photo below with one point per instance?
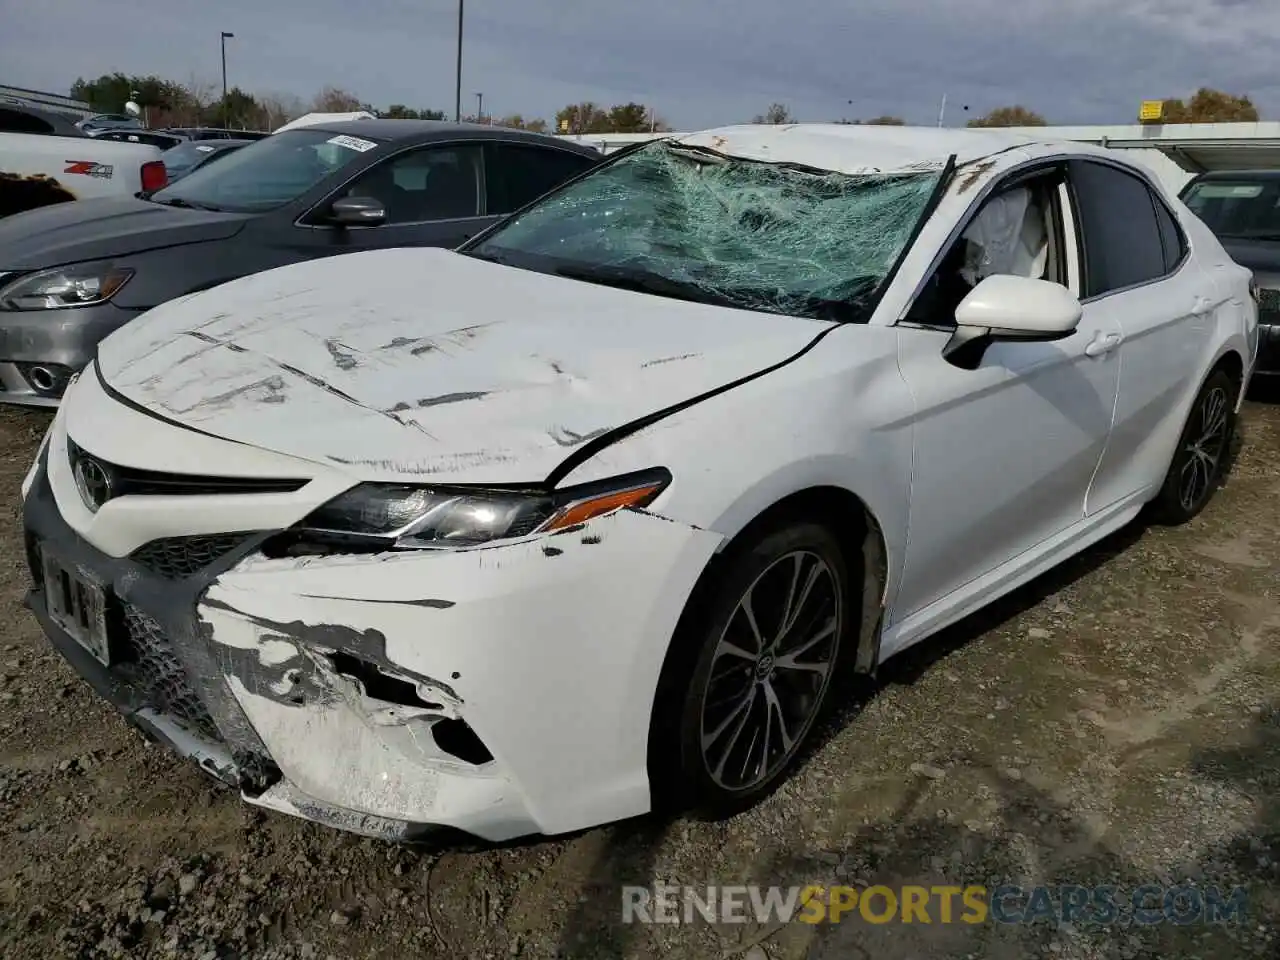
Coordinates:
(1116, 722)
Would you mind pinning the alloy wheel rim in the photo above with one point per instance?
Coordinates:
(1203, 452)
(770, 669)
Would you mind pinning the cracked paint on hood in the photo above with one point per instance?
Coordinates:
(425, 364)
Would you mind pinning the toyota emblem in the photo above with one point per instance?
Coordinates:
(94, 483)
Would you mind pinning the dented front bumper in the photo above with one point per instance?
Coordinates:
(501, 691)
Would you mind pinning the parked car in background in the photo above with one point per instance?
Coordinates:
(46, 160)
(110, 121)
(216, 133)
(193, 154)
(75, 273)
(587, 516)
(162, 140)
(1242, 207)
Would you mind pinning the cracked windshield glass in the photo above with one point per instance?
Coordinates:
(695, 224)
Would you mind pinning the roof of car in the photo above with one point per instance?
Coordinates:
(865, 148)
(442, 130)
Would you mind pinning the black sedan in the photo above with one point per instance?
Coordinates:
(72, 273)
(1242, 208)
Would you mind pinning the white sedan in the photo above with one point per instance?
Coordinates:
(584, 517)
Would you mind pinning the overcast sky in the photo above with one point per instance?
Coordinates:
(700, 62)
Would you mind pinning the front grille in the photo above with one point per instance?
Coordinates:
(1268, 306)
(150, 666)
(177, 557)
(134, 481)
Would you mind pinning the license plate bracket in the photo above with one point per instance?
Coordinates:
(77, 603)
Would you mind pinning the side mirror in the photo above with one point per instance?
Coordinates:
(1003, 307)
(357, 211)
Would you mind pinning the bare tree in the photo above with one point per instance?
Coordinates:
(777, 113)
(335, 100)
(279, 108)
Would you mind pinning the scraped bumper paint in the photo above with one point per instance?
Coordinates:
(501, 691)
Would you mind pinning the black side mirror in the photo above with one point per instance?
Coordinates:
(357, 211)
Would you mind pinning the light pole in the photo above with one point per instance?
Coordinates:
(479, 108)
(457, 93)
(226, 120)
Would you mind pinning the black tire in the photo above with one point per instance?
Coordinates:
(699, 671)
(1199, 461)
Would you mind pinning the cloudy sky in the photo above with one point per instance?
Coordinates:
(700, 62)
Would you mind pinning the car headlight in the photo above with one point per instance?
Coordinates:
(383, 516)
(79, 285)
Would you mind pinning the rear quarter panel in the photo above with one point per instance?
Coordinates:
(37, 170)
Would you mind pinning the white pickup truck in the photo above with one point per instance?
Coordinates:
(45, 159)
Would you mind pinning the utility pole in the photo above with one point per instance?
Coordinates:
(479, 108)
(226, 119)
(942, 111)
(457, 93)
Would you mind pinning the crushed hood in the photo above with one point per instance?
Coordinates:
(425, 364)
(98, 229)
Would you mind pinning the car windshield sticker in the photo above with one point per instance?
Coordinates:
(352, 143)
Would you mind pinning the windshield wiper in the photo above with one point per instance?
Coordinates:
(185, 204)
(642, 281)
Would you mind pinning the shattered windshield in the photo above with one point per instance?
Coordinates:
(690, 223)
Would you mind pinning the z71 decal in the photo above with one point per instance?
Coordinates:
(88, 168)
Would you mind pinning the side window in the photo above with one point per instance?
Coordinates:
(1175, 248)
(432, 183)
(1122, 241)
(1017, 230)
(518, 173)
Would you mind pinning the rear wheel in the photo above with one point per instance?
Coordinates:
(748, 676)
(1196, 470)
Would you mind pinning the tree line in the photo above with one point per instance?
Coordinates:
(170, 104)
(195, 103)
(1206, 105)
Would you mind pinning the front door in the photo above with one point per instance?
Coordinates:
(434, 196)
(1005, 452)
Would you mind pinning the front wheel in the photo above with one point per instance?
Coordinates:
(1199, 461)
(749, 676)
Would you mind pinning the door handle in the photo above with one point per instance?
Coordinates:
(1103, 344)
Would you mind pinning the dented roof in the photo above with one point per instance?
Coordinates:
(856, 148)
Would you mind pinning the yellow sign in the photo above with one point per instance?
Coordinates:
(1151, 110)
(564, 126)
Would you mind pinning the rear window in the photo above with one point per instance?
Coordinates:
(1237, 209)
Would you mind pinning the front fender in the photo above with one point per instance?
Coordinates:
(840, 416)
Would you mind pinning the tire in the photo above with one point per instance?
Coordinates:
(1198, 463)
(703, 681)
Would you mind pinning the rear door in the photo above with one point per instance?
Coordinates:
(1138, 274)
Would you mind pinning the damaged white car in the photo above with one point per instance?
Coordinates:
(588, 515)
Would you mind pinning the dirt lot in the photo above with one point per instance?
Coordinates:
(1118, 722)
